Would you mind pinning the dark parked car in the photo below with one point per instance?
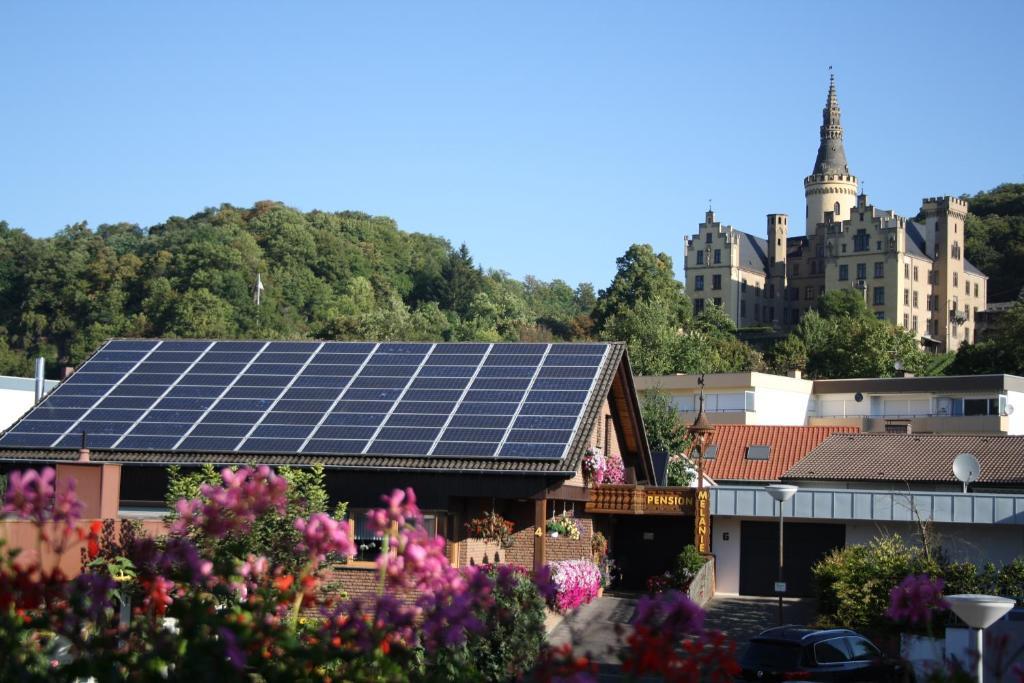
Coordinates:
(798, 653)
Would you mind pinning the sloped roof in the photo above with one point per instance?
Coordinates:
(788, 445)
(753, 251)
(911, 458)
(916, 245)
(613, 380)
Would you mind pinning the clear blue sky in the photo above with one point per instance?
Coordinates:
(547, 135)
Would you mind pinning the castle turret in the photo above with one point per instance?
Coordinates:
(830, 187)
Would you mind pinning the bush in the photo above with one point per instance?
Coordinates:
(511, 640)
(687, 564)
(853, 583)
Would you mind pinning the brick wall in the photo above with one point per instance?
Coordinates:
(563, 548)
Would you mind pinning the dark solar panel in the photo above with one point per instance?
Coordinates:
(515, 400)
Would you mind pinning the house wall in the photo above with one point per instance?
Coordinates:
(977, 543)
(17, 395)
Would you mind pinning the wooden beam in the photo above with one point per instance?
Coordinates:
(565, 492)
(540, 517)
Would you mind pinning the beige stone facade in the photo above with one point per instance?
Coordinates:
(911, 272)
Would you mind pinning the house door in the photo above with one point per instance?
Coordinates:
(805, 544)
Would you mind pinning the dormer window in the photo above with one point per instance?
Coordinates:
(758, 452)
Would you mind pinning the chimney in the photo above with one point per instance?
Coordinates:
(83, 452)
(794, 373)
(40, 378)
(66, 372)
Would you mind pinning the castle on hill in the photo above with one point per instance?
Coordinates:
(912, 272)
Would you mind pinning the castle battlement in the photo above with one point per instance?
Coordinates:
(829, 178)
(946, 200)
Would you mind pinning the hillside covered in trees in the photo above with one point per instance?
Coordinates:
(327, 275)
(348, 275)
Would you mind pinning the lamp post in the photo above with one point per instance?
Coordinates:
(781, 493)
(979, 612)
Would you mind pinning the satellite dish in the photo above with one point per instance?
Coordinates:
(966, 468)
(858, 397)
(1008, 410)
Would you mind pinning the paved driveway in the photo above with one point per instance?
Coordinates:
(595, 628)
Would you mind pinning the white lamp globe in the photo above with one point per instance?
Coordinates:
(781, 492)
(979, 611)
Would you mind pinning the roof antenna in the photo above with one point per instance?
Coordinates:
(709, 204)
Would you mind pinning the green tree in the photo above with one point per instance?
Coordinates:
(273, 534)
(666, 432)
(642, 275)
(999, 352)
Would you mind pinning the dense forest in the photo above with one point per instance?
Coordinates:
(348, 275)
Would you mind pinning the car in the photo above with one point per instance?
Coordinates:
(799, 653)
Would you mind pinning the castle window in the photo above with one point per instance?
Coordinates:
(844, 272)
(906, 297)
(879, 296)
(967, 287)
(915, 306)
(809, 292)
(821, 290)
(844, 247)
(956, 280)
(915, 273)
(975, 289)
(915, 324)
(698, 306)
(861, 241)
(708, 237)
(718, 301)
(796, 269)
(771, 291)
(718, 255)
(906, 321)
(878, 245)
(879, 269)
(716, 282)
(862, 271)
(698, 283)
(757, 313)
(700, 258)
(906, 270)
(778, 242)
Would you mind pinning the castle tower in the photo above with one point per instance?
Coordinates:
(830, 187)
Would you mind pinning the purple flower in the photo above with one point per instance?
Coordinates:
(671, 613)
(93, 592)
(33, 495)
(231, 649)
(915, 598)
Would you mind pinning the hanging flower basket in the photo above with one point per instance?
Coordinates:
(491, 527)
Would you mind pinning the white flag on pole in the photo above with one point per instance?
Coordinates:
(259, 288)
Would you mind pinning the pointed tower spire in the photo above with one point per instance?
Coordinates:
(831, 155)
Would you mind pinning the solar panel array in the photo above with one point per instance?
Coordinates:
(506, 400)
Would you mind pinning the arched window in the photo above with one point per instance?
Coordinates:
(836, 210)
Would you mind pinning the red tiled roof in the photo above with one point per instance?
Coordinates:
(912, 458)
(788, 446)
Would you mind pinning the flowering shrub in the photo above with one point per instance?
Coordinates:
(192, 618)
(577, 582)
(564, 525)
(594, 465)
(491, 527)
(615, 470)
(669, 640)
(915, 599)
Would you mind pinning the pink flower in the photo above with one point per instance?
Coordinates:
(576, 582)
(233, 506)
(615, 470)
(401, 508)
(915, 598)
(33, 495)
(323, 535)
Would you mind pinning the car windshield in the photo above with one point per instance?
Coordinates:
(771, 656)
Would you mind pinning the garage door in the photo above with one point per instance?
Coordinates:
(805, 544)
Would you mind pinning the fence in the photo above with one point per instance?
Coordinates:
(702, 588)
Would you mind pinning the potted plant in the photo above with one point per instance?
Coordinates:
(594, 466)
(491, 527)
(563, 525)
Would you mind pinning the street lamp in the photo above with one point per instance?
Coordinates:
(979, 612)
(781, 493)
